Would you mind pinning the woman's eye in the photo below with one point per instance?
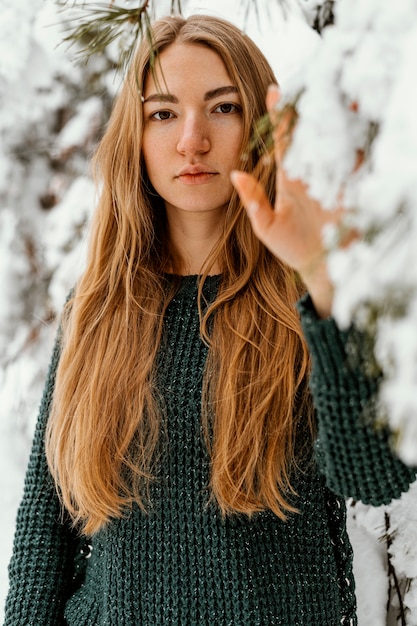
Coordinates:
(228, 107)
(162, 115)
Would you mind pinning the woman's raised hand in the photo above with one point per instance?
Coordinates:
(293, 229)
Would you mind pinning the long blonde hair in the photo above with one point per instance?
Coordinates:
(105, 421)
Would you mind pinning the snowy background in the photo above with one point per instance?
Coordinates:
(357, 85)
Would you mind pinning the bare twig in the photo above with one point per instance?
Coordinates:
(392, 574)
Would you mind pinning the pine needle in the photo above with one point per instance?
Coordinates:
(94, 27)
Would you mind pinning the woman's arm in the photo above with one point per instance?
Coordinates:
(352, 450)
(42, 571)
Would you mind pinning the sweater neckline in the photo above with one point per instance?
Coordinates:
(187, 284)
(192, 279)
(190, 276)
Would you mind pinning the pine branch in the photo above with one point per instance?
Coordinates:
(99, 25)
(262, 139)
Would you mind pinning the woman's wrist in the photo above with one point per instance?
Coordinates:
(320, 288)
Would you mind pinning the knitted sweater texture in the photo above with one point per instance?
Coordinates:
(181, 563)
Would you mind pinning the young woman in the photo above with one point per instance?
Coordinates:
(181, 473)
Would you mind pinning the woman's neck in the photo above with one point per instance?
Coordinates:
(193, 236)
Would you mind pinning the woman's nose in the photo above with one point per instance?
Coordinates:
(193, 137)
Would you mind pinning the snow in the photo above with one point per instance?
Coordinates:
(79, 130)
(356, 79)
(369, 563)
(16, 22)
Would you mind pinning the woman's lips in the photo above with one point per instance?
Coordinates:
(197, 178)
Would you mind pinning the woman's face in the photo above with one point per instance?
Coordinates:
(192, 129)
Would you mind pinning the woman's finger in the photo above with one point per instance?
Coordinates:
(282, 122)
(254, 200)
(272, 98)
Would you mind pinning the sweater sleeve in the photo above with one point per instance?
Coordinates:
(352, 452)
(43, 567)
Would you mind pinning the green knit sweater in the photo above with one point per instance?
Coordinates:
(182, 563)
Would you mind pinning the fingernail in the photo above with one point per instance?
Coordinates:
(273, 97)
(273, 88)
(234, 176)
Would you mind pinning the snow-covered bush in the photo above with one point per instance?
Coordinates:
(358, 94)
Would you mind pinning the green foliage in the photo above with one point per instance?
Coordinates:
(94, 27)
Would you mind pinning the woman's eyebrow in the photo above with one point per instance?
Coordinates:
(161, 97)
(220, 91)
(209, 95)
